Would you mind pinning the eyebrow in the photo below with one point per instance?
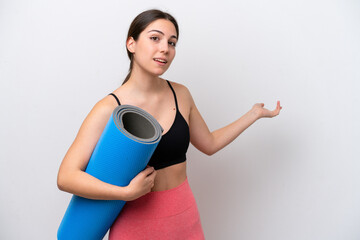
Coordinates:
(154, 30)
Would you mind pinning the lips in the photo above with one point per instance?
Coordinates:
(160, 60)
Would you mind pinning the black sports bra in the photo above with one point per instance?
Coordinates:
(174, 143)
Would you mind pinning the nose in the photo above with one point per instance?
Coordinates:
(164, 47)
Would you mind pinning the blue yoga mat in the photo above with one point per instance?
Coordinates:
(123, 150)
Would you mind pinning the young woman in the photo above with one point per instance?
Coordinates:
(160, 204)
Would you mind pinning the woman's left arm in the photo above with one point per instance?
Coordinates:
(211, 142)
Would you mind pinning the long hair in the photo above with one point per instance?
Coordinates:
(138, 25)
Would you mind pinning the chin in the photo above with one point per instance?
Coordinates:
(159, 73)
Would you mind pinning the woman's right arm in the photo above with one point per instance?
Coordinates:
(72, 177)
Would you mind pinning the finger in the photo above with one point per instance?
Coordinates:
(277, 111)
(147, 166)
(278, 107)
(274, 112)
(152, 175)
(148, 170)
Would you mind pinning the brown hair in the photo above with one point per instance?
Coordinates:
(140, 23)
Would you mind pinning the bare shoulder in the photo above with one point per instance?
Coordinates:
(184, 98)
(105, 105)
(100, 113)
(89, 133)
(183, 93)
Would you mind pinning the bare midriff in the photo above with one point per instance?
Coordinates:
(169, 177)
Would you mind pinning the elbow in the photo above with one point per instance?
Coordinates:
(210, 152)
(213, 145)
(210, 147)
(62, 182)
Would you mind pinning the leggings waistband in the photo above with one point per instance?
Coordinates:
(160, 204)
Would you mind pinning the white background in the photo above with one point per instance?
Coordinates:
(294, 177)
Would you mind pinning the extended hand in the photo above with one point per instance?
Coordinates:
(261, 112)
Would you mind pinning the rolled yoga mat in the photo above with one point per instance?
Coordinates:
(123, 150)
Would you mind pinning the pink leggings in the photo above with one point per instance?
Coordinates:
(170, 214)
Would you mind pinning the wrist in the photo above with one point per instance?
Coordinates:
(254, 114)
(124, 194)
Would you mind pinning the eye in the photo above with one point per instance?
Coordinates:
(154, 38)
(172, 44)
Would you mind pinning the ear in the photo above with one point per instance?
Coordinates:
(130, 44)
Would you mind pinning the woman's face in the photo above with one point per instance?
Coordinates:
(154, 50)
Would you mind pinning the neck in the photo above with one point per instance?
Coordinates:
(144, 83)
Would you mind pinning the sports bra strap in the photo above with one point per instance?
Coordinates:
(174, 94)
(116, 98)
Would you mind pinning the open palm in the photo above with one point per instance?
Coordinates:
(259, 109)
